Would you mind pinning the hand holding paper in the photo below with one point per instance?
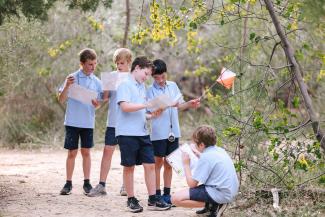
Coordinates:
(111, 80)
(176, 159)
(162, 102)
(82, 94)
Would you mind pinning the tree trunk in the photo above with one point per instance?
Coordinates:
(127, 23)
(289, 52)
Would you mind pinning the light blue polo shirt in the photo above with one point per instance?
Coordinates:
(216, 171)
(160, 126)
(78, 114)
(112, 108)
(131, 123)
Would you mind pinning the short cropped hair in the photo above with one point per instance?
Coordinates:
(142, 62)
(159, 67)
(122, 54)
(205, 134)
(87, 54)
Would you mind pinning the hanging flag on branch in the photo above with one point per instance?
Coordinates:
(226, 78)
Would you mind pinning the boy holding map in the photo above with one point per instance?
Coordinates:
(122, 58)
(80, 117)
(214, 171)
(165, 130)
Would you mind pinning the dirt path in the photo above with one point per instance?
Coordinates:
(30, 182)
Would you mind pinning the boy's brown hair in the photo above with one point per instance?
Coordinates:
(205, 134)
(142, 62)
(87, 54)
(122, 54)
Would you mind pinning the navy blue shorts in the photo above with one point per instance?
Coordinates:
(72, 135)
(110, 138)
(135, 150)
(163, 147)
(199, 193)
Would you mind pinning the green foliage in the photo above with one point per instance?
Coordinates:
(38, 9)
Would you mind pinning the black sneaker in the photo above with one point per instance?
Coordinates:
(217, 210)
(204, 210)
(158, 205)
(66, 190)
(133, 205)
(87, 187)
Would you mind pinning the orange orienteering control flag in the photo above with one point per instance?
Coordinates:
(226, 78)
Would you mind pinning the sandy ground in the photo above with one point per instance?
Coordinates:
(30, 182)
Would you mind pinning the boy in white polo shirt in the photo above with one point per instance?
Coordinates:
(133, 138)
(214, 170)
(80, 118)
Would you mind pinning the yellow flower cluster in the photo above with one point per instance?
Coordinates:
(193, 43)
(164, 25)
(53, 52)
(96, 25)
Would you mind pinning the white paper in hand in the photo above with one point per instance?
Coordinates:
(82, 94)
(162, 102)
(111, 80)
(176, 162)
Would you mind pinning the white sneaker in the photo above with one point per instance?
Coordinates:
(123, 191)
(99, 190)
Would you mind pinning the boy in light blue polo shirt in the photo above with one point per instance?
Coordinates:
(214, 170)
(122, 58)
(133, 138)
(165, 130)
(80, 118)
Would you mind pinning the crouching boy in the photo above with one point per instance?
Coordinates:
(216, 173)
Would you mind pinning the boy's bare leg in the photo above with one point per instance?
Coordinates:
(86, 162)
(168, 174)
(182, 199)
(106, 162)
(150, 178)
(158, 165)
(128, 173)
(70, 163)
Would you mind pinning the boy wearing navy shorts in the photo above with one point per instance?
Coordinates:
(133, 138)
(122, 58)
(80, 118)
(214, 170)
(165, 130)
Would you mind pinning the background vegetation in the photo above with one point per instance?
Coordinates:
(266, 125)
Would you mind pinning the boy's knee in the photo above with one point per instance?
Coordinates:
(128, 169)
(72, 154)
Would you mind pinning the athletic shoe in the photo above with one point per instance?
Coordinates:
(133, 205)
(99, 190)
(166, 198)
(217, 210)
(87, 188)
(158, 205)
(123, 191)
(66, 190)
(204, 210)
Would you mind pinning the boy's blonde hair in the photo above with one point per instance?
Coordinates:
(205, 134)
(122, 54)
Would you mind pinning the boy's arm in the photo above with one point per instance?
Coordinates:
(63, 95)
(188, 174)
(131, 107)
(194, 103)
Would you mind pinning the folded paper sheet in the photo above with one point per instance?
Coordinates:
(226, 78)
(176, 162)
(163, 101)
(82, 94)
(111, 80)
